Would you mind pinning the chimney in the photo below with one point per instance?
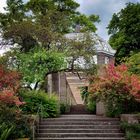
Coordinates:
(77, 28)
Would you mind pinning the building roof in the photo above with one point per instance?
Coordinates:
(100, 44)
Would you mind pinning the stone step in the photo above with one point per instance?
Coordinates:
(84, 116)
(80, 123)
(74, 80)
(79, 126)
(79, 130)
(63, 135)
(83, 138)
(71, 74)
(80, 119)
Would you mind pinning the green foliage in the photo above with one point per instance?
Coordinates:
(42, 22)
(5, 131)
(35, 64)
(40, 102)
(37, 33)
(124, 30)
(13, 120)
(64, 108)
(117, 105)
(81, 48)
(131, 130)
(134, 63)
(90, 103)
(84, 93)
(86, 22)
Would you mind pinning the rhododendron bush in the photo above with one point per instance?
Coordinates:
(116, 87)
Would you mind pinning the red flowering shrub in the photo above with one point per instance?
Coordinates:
(116, 79)
(9, 84)
(8, 97)
(9, 79)
(117, 86)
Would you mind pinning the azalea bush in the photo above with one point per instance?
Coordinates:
(119, 89)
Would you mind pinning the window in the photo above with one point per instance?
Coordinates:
(106, 60)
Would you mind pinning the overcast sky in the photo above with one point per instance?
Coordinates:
(103, 8)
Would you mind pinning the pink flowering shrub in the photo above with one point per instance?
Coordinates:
(117, 86)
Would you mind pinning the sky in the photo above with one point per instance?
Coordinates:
(103, 8)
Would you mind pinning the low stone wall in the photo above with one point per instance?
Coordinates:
(130, 118)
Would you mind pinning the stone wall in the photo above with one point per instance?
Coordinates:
(57, 83)
(101, 57)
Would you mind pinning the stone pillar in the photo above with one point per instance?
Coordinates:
(63, 87)
(100, 108)
(55, 83)
(100, 58)
(49, 83)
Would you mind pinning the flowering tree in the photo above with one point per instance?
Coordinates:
(117, 86)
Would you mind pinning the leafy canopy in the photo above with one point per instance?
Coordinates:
(34, 65)
(36, 30)
(42, 21)
(124, 29)
(134, 63)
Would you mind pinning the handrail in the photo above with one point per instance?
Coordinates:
(34, 120)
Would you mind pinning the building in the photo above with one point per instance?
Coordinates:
(60, 82)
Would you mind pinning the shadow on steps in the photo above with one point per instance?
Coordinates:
(79, 109)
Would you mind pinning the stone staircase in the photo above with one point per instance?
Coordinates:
(75, 83)
(79, 127)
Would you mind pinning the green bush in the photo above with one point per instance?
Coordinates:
(132, 131)
(116, 106)
(64, 108)
(89, 102)
(5, 131)
(84, 93)
(40, 102)
(91, 105)
(14, 124)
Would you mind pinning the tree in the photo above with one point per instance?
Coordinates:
(80, 51)
(133, 63)
(124, 29)
(41, 21)
(39, 36)
(34, 65)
